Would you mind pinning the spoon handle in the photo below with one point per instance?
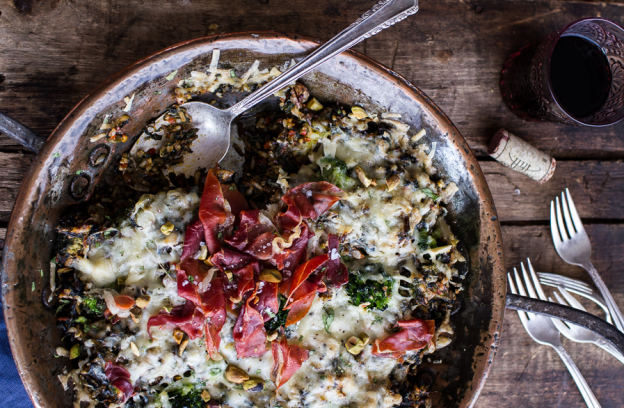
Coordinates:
(382, 15)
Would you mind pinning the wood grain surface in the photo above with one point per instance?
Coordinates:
(53, 53)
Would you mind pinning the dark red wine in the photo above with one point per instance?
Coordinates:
(580, 75)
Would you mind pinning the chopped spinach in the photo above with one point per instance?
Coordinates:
(192, 399)
(337, 173)
(367, 290)
(426, 241)
(278, 319)
(93, 306)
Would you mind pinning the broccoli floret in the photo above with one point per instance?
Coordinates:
(337, 173)
(426, 241)
(191, 399)
(376, 293)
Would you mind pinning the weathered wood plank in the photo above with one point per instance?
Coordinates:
(57, 53)
(526, 374)
(595, 186)
(13, 169)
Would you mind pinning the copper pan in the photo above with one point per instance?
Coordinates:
(350, 78)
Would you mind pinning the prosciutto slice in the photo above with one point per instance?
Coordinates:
(236, 200)
(303, 299)
(213, 213)
(413, 335)
(266, 300)
(288, 258)
(186, 317)
(192, 239)
(308, 200)
(229, 259)
(249, 334)
(303, 272)
(119, 378)
(254, 235)
(287, 359)
(213, 303)
(190, 277)
(337, 273)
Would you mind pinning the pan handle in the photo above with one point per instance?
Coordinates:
(21, 134)
(570, 315)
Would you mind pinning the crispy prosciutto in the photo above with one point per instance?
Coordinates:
(213, 303)
(303, 272)
(288, 258)
(413, 335)
(186, 317)
(242, 282)
(337, 273)
(228, 259)
(254, 235)
(249, 334)
(119, 378)
(213, 213)
(286, 361)
(236, 200)
(309, 200)
(190, 278)
(192, 239)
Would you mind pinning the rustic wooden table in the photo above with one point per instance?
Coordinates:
(52, 53)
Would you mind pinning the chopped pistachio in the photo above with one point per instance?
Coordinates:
(143, 301)
(271, 276)
(183, 345)
(314, 104)
(393, 181)
(235, 375)
(203, 253)
(62, 352)
(74, 352)
(205, 395)
(253, 385)
(137, 314)
(355, 345)
(362, 176)
(358, 113)
(167, 228)
(271, 336)
(178, 335)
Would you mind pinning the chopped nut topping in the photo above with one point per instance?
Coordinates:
(143, 301)
(355, 345)
(167, 228)
(178, 335)
(253, 385)
(135, 349)
(183, 345)
(137, 314)
(205, 395)
(393, 181)
(235, 375)
(362, 176)
(272, 336)
(358, 113)
(271, 276)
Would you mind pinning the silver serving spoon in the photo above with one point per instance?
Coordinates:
(213, 124)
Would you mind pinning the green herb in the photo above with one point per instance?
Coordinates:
(79, 172)
(33, 287)
(171, 75)
(370, 195)
(191, 279)
(158, 92)
(300, 338)
(238, 387)
(215, 371)
(323, 377)
(345, 362)
(56, 155)
(232, 73)
(147, 244)
(186, 398)
(107, 217)
(232, 187)
(59, 309)
(337, 173)
(220, 235)
(426, 241)
(258, 371)
(121, 253)
(387, 223)
(277, 319)
(270, 314)
(328, 319)
(430, 194)
(378, 319)
(81, 319)
(56, 355)
(142, 268)
(93, 305)
(371, 291)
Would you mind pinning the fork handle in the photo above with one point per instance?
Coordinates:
(610, 349)
(616, 315)
(586, 392)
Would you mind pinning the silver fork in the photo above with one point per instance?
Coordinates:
(575, 286)
(543, 330)
(577, 333)
(573, 246)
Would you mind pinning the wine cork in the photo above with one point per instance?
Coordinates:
(518, 155)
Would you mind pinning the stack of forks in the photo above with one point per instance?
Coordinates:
(573, 246)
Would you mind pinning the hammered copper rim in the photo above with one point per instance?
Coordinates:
(17, 299)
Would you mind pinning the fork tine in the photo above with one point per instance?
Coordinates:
(578, 224)
(554, 231)
(566, 215)
(522, 315)
(559, 324)
(560, 225)
(568, 285)
(570, 299)
(561, 278)
(536, 283)
(527, 282)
